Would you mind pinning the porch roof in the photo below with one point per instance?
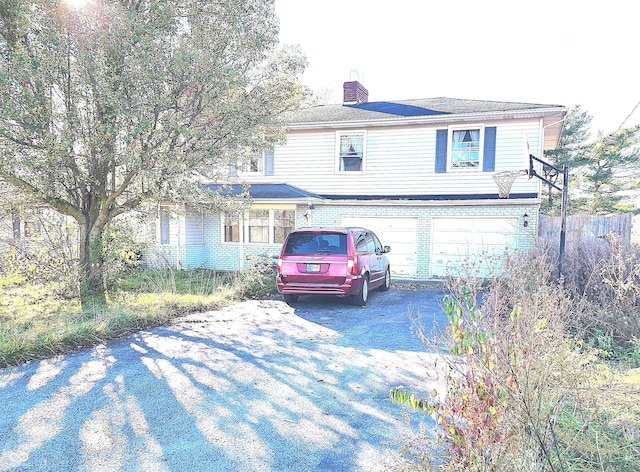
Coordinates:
(263, 191)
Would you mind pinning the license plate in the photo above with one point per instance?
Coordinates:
(313, 267)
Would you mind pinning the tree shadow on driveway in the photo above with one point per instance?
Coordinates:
(258, 386)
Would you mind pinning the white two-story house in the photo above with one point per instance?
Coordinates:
(417, 172)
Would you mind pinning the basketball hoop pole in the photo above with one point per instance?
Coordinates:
(565, 198)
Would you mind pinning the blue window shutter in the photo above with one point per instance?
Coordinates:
(441, 150)
(489, 159)
(268, 163)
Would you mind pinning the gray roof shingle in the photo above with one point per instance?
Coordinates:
(417, 108)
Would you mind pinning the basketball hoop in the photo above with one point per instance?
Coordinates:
(504, 180)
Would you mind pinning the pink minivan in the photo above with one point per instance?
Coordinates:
(332, 261)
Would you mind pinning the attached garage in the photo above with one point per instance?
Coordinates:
(456, 240)
(398, 232)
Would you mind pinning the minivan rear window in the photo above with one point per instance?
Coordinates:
(316, 243)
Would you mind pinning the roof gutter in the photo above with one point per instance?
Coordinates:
(436, 203)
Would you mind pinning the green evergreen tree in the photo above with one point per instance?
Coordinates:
(610, 167)
(571, 150)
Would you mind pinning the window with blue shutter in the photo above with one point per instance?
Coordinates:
(466, 152)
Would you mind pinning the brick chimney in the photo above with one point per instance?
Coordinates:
(354, 93)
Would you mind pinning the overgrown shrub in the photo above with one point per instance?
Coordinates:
(123, 248)
(522, 393)
(603, 277)
(258, 278)
(45, 257)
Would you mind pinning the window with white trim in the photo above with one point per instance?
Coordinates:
(32, 229)
(231, 224)
(254, 164)
(26, 225)
(351, 151)
(465, 147)
(284, 221)
(259, 226)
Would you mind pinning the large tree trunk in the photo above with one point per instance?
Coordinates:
(92, 286)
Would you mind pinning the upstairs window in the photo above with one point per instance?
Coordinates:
(465, 148)
(254, 164)
(351, 150)
(257, 163)
(468, 147)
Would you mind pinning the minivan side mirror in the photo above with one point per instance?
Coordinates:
(386, 249)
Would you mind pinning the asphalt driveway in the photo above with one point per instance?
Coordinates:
(259, 386)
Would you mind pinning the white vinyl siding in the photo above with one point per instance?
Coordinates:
(398, 161)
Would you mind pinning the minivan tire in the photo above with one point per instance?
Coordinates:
(360, 298)
(289, 298)
(387, 281)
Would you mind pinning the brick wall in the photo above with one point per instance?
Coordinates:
(226, 256)
(354, 92)
(330, 215)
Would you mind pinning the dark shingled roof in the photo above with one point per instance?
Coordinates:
(382, 111)
(262, 191)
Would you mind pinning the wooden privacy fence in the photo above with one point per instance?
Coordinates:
(586, 228)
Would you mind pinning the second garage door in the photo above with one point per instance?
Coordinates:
(397, 232)
(458, 240)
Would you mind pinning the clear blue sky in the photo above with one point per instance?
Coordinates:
(561, 52)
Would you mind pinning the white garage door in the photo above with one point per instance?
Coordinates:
(456, 241)
(397, 232)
